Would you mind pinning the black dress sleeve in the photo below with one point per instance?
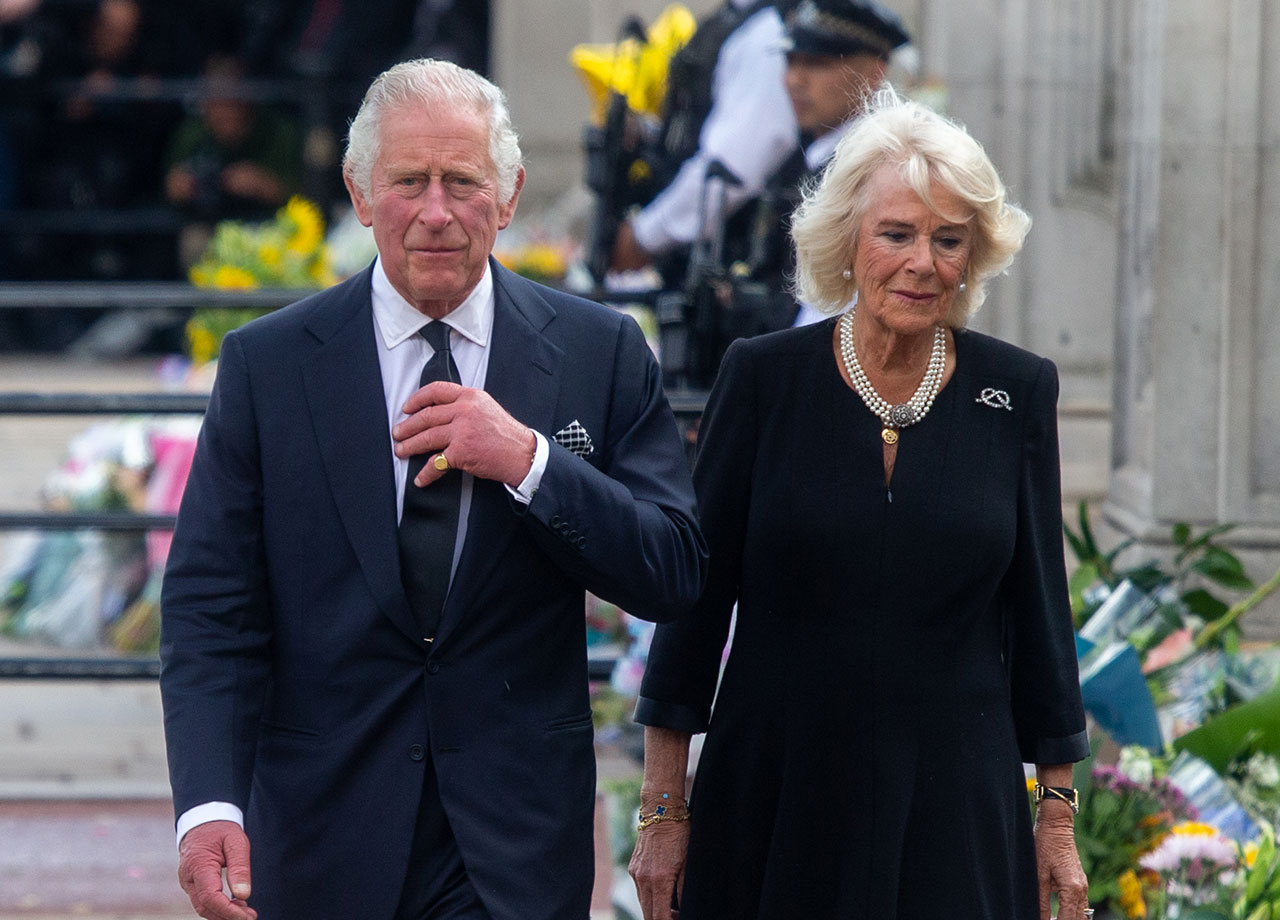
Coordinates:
(1047, 710)
(684, 658)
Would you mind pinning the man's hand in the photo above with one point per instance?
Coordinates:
(204, 852)
(657, 866)
(627, 254)
(468, 426)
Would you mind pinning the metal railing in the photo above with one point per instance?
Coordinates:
(143, 295)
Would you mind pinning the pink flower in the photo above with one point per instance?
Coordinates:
(1176, 646)
(1198, 856)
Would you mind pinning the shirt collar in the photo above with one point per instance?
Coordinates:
(821, 149)
(398, 320)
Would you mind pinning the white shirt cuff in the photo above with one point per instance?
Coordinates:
(524, 492)
(650, 234)
(209, 811)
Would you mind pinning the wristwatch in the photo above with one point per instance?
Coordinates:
(1070, 796)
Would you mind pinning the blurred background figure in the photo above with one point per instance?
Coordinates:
(725, 105)
(234, 158)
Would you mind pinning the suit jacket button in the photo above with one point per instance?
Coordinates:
(555, 521)
(581, 542)
(433, 667)
(417, 752)
(572, 536)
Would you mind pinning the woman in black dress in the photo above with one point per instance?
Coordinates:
(881, 495)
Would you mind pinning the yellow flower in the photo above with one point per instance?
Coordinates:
(1195, 829)
(537, 261)
(233, 278)
(321, 270)
(204, 344)
(1131, 901)
(269, 254)
(308, 224)
(1250, 853)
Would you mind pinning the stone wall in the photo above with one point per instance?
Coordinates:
(1144, 138)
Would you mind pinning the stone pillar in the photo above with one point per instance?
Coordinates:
(1196, 433)
(1034, 82)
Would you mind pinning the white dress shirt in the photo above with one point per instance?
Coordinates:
(751, 128)
(402, 353)
(816, 155)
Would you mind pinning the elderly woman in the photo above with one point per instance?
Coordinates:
(881, 495)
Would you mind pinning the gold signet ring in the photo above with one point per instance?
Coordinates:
(441, 462)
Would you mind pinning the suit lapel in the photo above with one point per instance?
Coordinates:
(524, 377)
(343, 386)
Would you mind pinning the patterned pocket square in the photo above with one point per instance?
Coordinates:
(573, 437)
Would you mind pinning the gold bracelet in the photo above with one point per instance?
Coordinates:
(1070, 796)
(658, 817)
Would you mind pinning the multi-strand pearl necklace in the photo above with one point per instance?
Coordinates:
(903, 414)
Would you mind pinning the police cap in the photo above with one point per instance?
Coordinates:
(844, 27)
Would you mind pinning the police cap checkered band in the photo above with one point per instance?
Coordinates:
(843, 27)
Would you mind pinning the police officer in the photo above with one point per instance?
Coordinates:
(749, 129)
(837, 52)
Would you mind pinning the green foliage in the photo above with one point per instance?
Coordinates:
(1121, 818)
(1199, 566)
(1233, 735)
(624, 804)
(1260, 899)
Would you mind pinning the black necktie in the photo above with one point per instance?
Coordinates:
(429, 520)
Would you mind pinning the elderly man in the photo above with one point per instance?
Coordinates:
(373, 639)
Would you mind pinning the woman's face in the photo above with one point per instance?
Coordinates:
(908, 260)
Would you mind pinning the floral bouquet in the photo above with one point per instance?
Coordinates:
(1192, 873)
(1125, 812)
(287, 252)
(1198, 874)
(541, 261)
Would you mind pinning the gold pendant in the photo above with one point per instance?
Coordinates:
(890, 436)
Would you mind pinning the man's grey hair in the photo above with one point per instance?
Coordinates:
(433, 84)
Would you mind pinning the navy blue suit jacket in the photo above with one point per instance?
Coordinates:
(295, 682)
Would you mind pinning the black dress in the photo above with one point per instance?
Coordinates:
(899, 651)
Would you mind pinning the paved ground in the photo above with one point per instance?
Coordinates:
(89, 858)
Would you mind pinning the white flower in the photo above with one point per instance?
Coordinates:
(1263, 770)
(1135, 763)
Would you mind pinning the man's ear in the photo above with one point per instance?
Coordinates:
(364, 211)
(508, 210)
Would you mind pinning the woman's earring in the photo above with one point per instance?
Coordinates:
(963, 287)
(847, 274)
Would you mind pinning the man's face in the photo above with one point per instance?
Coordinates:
(827, 90)
(433, 204)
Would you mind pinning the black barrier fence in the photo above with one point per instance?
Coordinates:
(318, 104)
(686, 405)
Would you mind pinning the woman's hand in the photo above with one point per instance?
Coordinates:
(657, 865)
(1058, 863)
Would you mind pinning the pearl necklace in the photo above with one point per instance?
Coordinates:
(904, 414)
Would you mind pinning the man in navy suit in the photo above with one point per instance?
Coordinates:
(391, 756)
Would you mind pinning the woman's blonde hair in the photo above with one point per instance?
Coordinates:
(926, 148)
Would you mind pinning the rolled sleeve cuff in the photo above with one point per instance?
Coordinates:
(524, 492)
(674, 716)
(1055, 750)
(203, 814)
